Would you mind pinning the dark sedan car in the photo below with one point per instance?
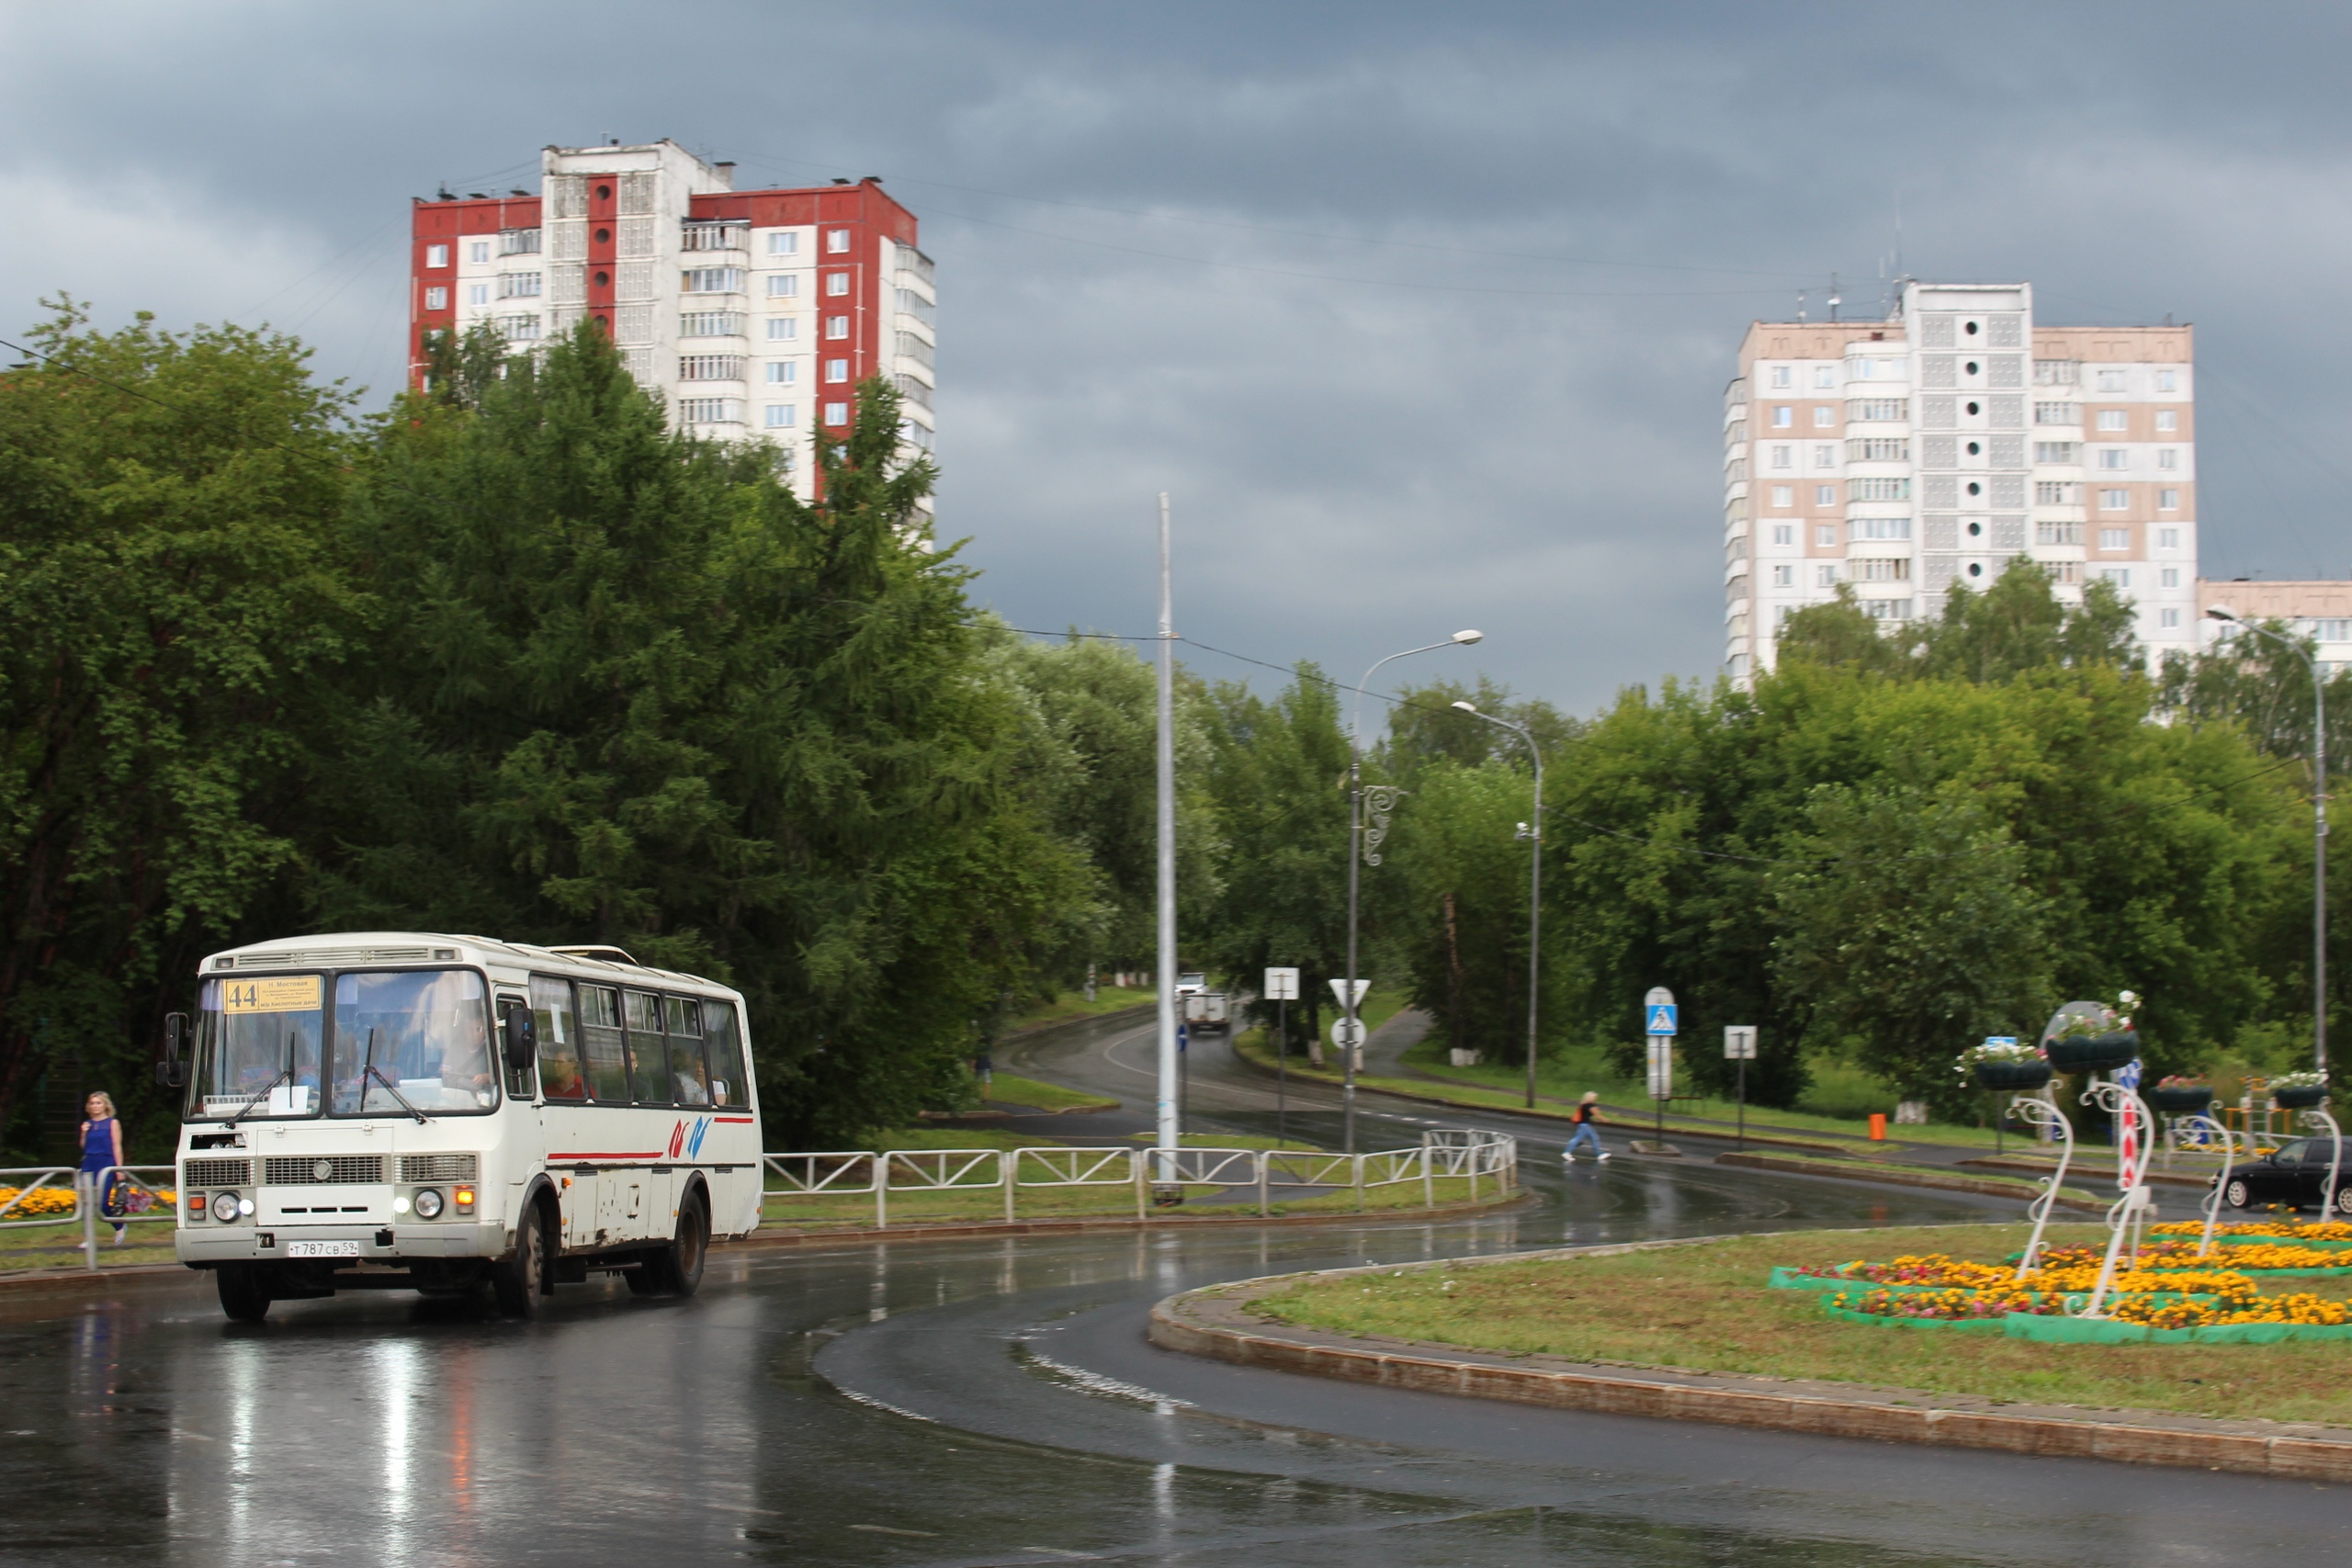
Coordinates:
(2295, 1173)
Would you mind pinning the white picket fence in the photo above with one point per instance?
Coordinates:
(1449, 1152)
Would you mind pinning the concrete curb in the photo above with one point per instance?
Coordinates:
(1214, 1323)
(1884, 1176)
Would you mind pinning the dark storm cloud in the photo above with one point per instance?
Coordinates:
(1423, 314)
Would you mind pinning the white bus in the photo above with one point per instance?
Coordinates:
(401, 1110)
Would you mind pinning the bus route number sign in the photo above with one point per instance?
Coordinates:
(281, 993)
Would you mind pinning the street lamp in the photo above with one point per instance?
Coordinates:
(1533, 833)
(1355, 857)
(2319, 826)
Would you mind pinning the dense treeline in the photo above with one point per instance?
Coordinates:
(1886, 850)
(516, 659)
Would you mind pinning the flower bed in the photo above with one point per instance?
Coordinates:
(2312, 1233)
(2166, 1294)
(57, 1203)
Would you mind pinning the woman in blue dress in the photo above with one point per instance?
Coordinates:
(101, 1149)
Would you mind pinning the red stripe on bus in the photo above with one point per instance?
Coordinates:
(733, 1120)
(647, 1154)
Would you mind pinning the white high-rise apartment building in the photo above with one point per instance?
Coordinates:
(1937, 447)
(753, 313)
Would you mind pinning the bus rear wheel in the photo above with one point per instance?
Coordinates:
(517, 1281)
(245, 1293)
(675, 1269)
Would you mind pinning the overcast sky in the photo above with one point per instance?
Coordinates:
(1423, 314)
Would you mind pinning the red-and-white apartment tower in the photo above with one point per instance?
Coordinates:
(752, 313)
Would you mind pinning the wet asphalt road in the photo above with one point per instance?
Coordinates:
(991, 1402)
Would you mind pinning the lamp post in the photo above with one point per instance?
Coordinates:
(2319, 827)
(1355, 857)
(1534, 832)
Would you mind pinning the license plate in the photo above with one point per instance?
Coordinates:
(321, 1249)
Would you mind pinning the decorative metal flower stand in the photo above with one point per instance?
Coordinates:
(2127, 1217)
(2207, 1121)
(2041, 1114)
(2316, 1117)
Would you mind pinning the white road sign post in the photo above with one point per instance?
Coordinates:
(1659, 1015)
(1348, 1035)
(1739, 1045)
(1281, 989)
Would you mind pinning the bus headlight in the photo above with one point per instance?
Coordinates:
(428, 1204)
(224, 1206)
(400, 1204)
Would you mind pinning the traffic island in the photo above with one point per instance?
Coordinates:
(1695, 1331)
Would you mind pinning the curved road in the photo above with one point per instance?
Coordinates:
(991, 1400)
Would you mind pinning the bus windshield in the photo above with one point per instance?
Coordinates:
(257, 1047)
(412, 1039)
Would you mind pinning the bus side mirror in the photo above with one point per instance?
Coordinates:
(521, 1038)
(171, 1072)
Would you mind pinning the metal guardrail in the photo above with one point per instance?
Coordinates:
(1446, 1153)
(89, 1198)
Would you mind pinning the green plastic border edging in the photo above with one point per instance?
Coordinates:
(1878, 1320)
(1788, 1279)
(2106, 1331)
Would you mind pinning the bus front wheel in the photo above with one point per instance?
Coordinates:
(675, 1269)
(244, 1294)
(517, 1280)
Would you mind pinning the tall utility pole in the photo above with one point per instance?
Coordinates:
(1167, 1121)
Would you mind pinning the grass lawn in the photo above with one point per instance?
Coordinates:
(1705, 1308)
(1857, 1170)
(60, 1246)
(1071, 1005)
(1010, 1089)
(1562, 1077)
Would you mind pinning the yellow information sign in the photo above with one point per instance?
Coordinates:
(282, 993)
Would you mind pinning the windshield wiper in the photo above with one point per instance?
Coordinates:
(368, 1069)
(247, 1108)
(285, 1076)
(378, 1074)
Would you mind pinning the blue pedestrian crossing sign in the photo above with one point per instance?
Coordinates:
(1658, 1006)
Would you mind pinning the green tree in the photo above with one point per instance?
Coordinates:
(628, 688)
(1913, 935)
(1460, 912)
(1277, 772)
(166, 576)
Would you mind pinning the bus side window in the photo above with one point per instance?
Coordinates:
(600, 1043)
(726, 1042)
(649, 1055)
(688, 1078)
(559, 1076)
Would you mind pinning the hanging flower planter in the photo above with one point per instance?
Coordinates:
(2180, 1099)
(2298, 1096)
(2094, 1053)
(2004, 1075)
